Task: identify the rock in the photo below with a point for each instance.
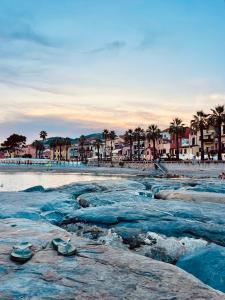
(76, 189)
(170, 218)
(208, 264)
(111, 197)
(113, 212)
(37, 188)
(97, 272)
(133, 241)
(52, 207)
(191, 196)
(168, 249)
(83, 202)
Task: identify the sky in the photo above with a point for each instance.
(75, 67)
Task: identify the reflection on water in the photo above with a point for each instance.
(20, 181)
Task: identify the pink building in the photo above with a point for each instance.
(30, 150)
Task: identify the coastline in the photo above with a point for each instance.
(121, 172)
(177, 171)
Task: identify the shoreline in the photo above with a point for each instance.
(114, 171)
(98, 171)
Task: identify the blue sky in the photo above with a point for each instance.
(77, 66)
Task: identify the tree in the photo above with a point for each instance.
(177, 128)
(139, 135)
(105, 136)
(97, 144)
(153, 133)
(216, 119)
(199, 123)
(60, 142)
(14, 142)
(53, 145)
(112, 136)
(43, 135)
(129, 138)
(82, 140)
(39, 147)
(67, 144)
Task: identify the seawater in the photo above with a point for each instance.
(17, 181)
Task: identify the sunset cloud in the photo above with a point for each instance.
(77, 66)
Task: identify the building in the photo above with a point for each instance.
(183, 144)
(209, 138)
(30, 151)
(164, 144)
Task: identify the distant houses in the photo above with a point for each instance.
(189, 144)
(204, 139)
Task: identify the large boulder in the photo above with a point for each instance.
(208, 264)
(97, 272)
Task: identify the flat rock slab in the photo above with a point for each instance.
(191, 196)
(97, 272)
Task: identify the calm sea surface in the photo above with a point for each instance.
(22, 180)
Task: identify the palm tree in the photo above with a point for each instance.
(60, 144)
(82, 140)
(35, 144)
(129, 138)
(38, 145)
(177, 128)
(112, 136)
(43, 135)
(53, 144)
(153, 133)
(199, 123)
(216, 119)
(139, 135)
(67, 144)
(97, 145)
(105, 136)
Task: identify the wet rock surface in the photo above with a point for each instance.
(113, 220)
(96, 272)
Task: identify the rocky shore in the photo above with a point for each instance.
(96, 272)
(129, 244)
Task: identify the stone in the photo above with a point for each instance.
(37, 188)
(96, 272)
(208, 264)
(191, 196)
